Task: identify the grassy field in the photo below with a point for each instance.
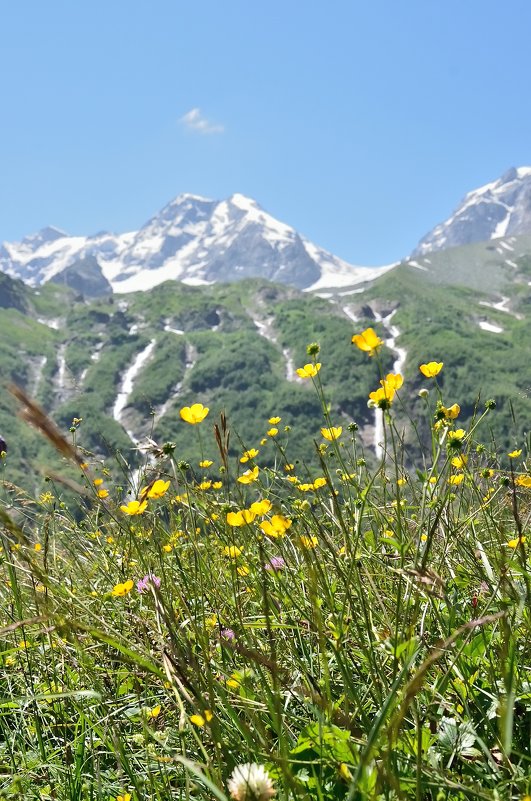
(351, 633)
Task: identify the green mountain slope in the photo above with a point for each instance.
(127, 365)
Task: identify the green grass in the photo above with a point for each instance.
(378, 648)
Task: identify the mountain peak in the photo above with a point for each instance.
(47, 234)
(243, 202)
(496, 209)
(192, 239)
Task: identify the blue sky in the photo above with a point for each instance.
(362, 124)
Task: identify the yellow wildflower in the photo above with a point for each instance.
(514, 454)
(392, 380)
(154, 712)
(98, 482)
(250, 454)
(237, 519)
(319, 482)
(516, 542)
(309, 370)
(308, 542)
(217, 485)
(122, 589)
(272, 432)
(249, 476)
(157, 489)
(460, 461)
(204, 485)
(458, 434)
(523, 481)
(276, 527)
(334, 432)
(232, 551)
(431, 369)
(457, 479)
(451, 412)
(243, 570)
(274, 420)
(368, 341)
(383, 396)
(103, 493)
(124, 797)
(206, 463)
(261, 507)
(194, 414)
(134, 508)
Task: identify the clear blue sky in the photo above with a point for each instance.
(362, 124)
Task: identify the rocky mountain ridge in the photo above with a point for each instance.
(501, 208)
(193, 240)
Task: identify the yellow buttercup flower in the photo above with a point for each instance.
(261, 507)
(457, 436)
(319, 482)
(158, 489)
(134, 507)
(206, 463)
(451, 412)
(523, 481)
(195, 413)
(276, 527)
(383, 396)
(431, 369)
(274, 420)
(272, 432)
(460, 461)
(250, 454)
(308, 542)
(237, 519)
(232, 551)
(392, 380)
(122, 589)
(368, 341)
(309, 370)
(334, 432)
(516, 542)
(249, 476)
(103, 493)
(457, 479)
(514, 454)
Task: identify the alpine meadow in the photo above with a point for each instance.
(265, 515)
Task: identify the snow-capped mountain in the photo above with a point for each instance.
(500, 208)
(193, 240)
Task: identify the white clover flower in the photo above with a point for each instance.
(250, 782)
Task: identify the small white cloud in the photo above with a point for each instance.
(195, 121)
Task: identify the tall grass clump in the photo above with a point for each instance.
(335, 630)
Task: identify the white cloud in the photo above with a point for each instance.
(195, 121)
